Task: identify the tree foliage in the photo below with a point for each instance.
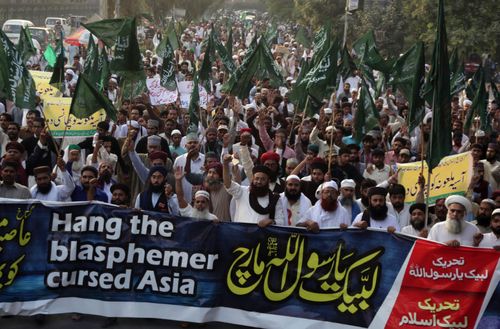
(472, 25)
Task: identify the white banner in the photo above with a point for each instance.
(185, 90)
(158, 94)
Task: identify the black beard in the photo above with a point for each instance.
(496, 230)
(292, 196)
(491, 159)
(483, 220)
(259, 191)
(426, 137)
(418, 225)
(273, 177)
(105, 176)
(45, 189)
(378, 213)
(156, 188)
(120, 203)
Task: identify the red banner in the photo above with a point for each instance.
(443, 287)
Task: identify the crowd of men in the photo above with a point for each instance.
(254, 160)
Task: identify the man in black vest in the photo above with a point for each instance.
(158, 195)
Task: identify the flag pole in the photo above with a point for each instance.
(429, 168)
(331, 136)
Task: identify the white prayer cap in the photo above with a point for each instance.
(480, 133)
(427, 117)
(135, 124)
(495, 212)
(203, 194)
(175, 132)
(70, 71)
(460, 200)
(467, 102)
(490, 201)
(330, 128)
(154, 140)
(331, 184)
(328, 110)
(249, 106)
(289, 79)
(222, 127)
(348, 183)
(291, 177)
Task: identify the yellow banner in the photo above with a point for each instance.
(451, 176)
(42, 80)
(56, 111)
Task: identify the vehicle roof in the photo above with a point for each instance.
(54, 18)
(17, 21)
(40, 28)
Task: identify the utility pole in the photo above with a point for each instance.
(117, 8)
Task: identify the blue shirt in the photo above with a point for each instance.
(79, 194)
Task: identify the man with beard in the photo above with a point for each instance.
(105, 180)
(483, 216)
(201, 200)
(211, 180)
(196, 159)
(293, 201)
(364, 202)
(455, 231)
(378, 170)
(74, 164)
(212, 144)
(377, 214)
(397, 206)
(346, 167)
(347, 200)
(255, 203)
(88, 190)
(492, 239)
(417, 221)
(491, 166)
(327, 212)
(120, 195)
(8, 186)
(271, 160)
(157, 195)
(310, 184)
(46, 190)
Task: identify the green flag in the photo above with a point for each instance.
(321, 44)
(271, 34)
(103, 70)
(57, 78)
(479, 105)
(131, 89)
(167, 77)
(408, 75)
(206, 66)
(194, 104)
(225, 57)
(299, 93)
(92, 56)
(367, 52)
(457, 78)
(302, 37)
(259, 63)
(50, 56)
(106, 30)
(346, 66)
(25, 45)
(366, 117)
(439, 79)
(172, 36)
(15, 81)
(323, 76)
(87, 100)
(127, 60)
(229, 42)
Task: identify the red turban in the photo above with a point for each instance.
(270, 155)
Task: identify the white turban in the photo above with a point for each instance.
(348, 183)
(460, 200)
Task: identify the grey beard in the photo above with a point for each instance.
(195, 213)
(453, 226)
